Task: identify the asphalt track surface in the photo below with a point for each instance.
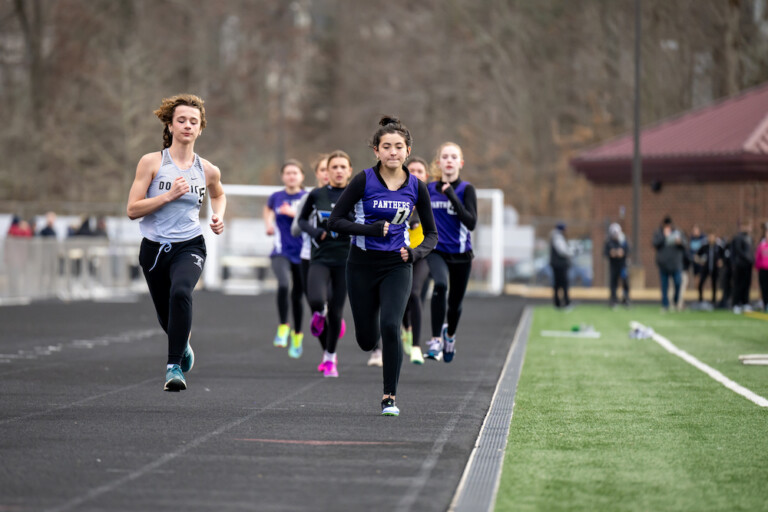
(85, 424)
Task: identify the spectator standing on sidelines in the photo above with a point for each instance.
(50, 221)
(726, 279)
(616, 250)
(698, 239)
(761, 264)
(670, 247)
(742, 259)
(560, 255)
(710, 259)
(20, 228)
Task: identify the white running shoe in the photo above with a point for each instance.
(375, 359)
(435, 350)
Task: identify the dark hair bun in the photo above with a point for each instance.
(385, 120)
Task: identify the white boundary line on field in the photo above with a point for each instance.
(716, 375)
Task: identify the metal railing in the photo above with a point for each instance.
(75, 268)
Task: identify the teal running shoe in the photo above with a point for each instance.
(187, 358)
(388, 407)
(174, 379)
(449, 345)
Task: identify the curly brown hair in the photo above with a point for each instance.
(168, 107)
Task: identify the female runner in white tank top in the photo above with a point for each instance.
(166, 195)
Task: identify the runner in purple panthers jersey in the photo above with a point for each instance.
(380, 263)
(286, 253)
(454, 204)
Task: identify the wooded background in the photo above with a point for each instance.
(521, 85)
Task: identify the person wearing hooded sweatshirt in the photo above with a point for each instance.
(560, 256)
(616, 250)
(670, 247)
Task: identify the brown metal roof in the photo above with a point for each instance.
(727, 137)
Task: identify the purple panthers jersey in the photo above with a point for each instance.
(454, 236)
(285, 244)
(380, 203)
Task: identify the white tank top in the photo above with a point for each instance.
(178, 220)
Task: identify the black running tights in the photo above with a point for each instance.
(450, 279)
(172, 271)
(285, 272)
(318, 294)
(378, 295)
(413, 311)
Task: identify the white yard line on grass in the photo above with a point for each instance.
(719, 377)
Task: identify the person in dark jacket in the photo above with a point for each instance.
(709, 257)
(50, 222)
(560, 260)
(616, 250)
(742, 259)
(726, 276)
(670, 247)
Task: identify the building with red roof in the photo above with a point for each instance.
(708, 166)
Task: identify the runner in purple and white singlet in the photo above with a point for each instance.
(454, 204)
(286, 254)
(380, 263)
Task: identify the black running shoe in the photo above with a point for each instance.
(388, 407)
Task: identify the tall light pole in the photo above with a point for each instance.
(636, 160)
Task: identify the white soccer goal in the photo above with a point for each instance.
(238, 260)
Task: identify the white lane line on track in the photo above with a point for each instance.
(168, 457)
(716, 375)
(79, 343)
(79, 402)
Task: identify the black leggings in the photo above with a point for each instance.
(705, 273)
(762, 277)
(378, 294)
(444, 274)
(616, 274)
(172, 271)
(285, 271)
(412, 317)
(319, 278)
(305, 277)
(560, 282)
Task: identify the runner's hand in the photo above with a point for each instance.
(217, 225)
(179, 188)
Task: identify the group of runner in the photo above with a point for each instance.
(373, 237)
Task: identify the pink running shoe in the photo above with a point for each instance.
(343, 328)
(330, 369)
(318, 324)
(321, 367)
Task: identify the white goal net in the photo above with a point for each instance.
(238, 260)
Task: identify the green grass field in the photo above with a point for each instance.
(621, 424)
